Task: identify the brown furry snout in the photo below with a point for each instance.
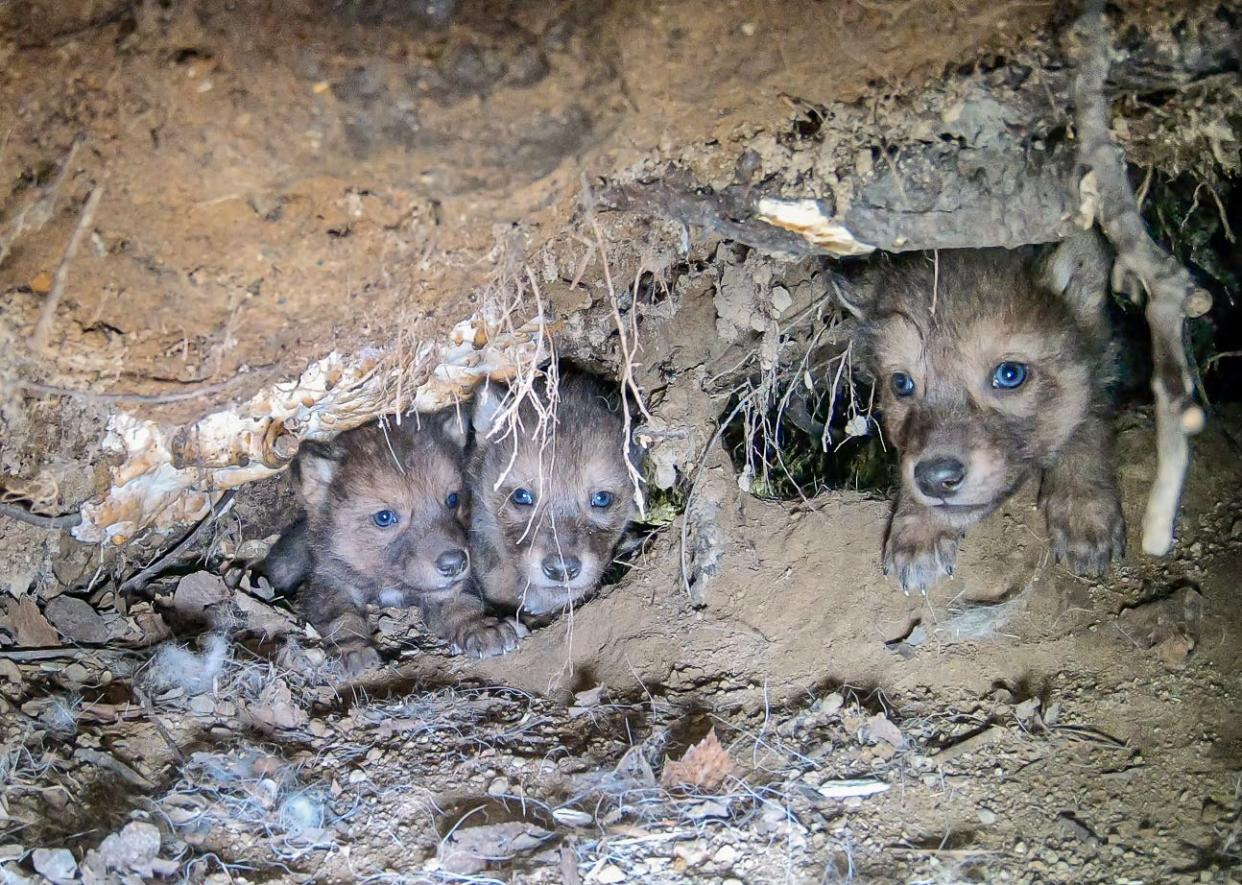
(963, 460)
(566, 549)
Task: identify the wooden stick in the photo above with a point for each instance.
(1141, 267)
(38, 340)
(162, 562)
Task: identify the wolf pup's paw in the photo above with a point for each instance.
(1087, 532)
(488, 637)
(919, 551)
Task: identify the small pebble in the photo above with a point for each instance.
(75, 672)
(498, 787)
(691, 853)
(56, 864)
(610, 875)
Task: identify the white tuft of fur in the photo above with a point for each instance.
(976, 622)
(175, 666)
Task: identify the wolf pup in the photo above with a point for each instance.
(384, 524)
(993, 366)
(552, 494)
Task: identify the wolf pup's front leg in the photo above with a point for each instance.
(462, 620)
(341, 620)
(921, 547)
(1081, 501)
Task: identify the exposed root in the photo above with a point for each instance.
(627, 338)
(47, 315)
(1142, 267)
(38, 212)
(21, 514)
(160, 563)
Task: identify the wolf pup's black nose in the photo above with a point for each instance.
(561, 568)
(939, 477)
(451, 563)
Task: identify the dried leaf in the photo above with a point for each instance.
(77, 619)
(705, 766)
(262, 619)
(31, 627)
(199, 590)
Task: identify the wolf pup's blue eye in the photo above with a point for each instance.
(1009, 376)
(452, 501)
(903, 384)
(522, 497)
(385, 519)
(601, 499)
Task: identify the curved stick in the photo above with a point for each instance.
(1141, 267)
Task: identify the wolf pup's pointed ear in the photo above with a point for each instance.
(854, 296)
(313, 470)
(1077, 269)
(454, 424)
(489, 398)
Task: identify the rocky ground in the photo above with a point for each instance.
(809, 724)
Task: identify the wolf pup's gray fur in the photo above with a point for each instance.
(549, 503)
(993, 366)
(384, 524)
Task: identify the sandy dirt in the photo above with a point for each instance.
(282, 180)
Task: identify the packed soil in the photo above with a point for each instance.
(281, 180)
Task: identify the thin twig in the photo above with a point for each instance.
(158, 565)
(629, 347)
(159, 726)
(153, 398)
(76, 651)
(1141, 266)
(38, 340)
(21, 514)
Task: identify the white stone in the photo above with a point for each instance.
(610, 875)
(56, 864)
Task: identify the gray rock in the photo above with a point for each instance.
(56, 864)
(76, 620)
(197, 591)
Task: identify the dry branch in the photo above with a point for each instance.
(38, 340)
(1141, 267)
(171, 557)
(39, 520)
